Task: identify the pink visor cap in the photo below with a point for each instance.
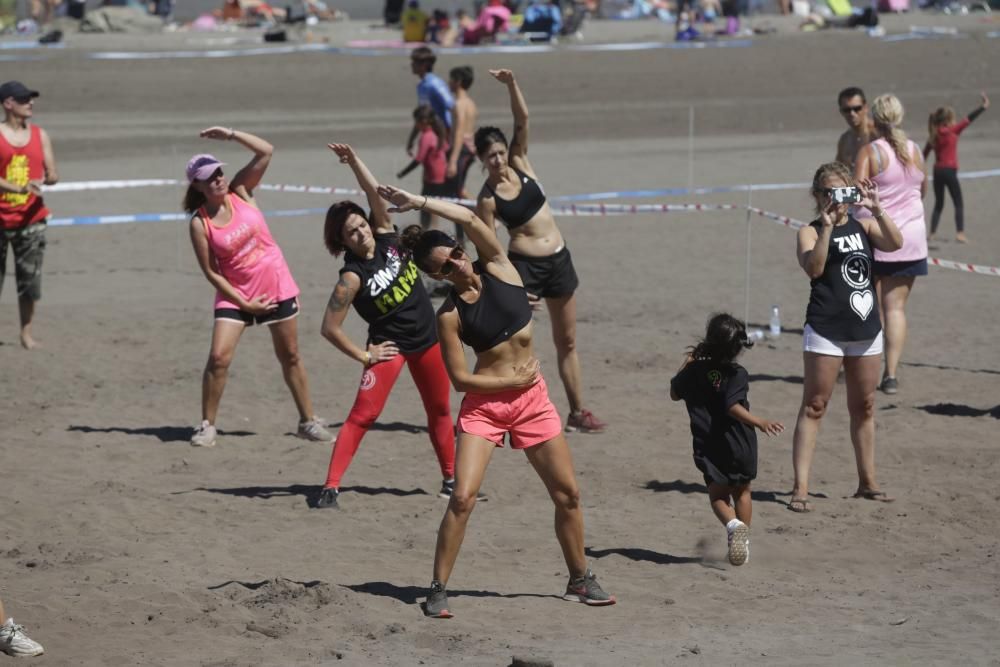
(201, 167)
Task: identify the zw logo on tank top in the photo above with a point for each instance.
(849, 243)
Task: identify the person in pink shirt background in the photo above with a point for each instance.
(896, 165)
(240, 258)
(432, 154)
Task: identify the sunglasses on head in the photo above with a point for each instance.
(449, 263)
(854, 109)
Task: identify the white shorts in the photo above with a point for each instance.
(813, 342)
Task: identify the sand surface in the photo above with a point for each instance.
(122, 545)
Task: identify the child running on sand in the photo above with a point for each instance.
(714, 387)
(943, 141)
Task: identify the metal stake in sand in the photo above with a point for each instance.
(746, 279)
(691, 147)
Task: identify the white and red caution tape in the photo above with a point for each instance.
(597, 209)
(934, 261)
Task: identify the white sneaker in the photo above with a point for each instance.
(739, 543)
(204, 435)
(314, 430)
(14, 642)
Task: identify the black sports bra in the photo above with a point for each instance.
(515, 212)
(501, 311)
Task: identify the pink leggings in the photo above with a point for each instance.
(431, 378)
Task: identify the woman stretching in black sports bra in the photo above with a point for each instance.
(513, 196)
(488, 310)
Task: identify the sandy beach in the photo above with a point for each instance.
(122, 545)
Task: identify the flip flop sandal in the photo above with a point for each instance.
(800, 505)
(880, 496)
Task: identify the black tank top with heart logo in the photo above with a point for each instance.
(843, 306)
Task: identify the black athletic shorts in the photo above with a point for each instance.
(438, 190)
(286, 310)
(547, 277)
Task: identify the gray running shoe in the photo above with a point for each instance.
(436, 605)
(204, 435)
(14, 642)
(314, 430)
(739, 544)
(328, 499)
(890, 385)
(585, 589)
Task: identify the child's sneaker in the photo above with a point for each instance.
(204, 435)
(14, 642)
(584, 422)
(585, 589)
(739, 542)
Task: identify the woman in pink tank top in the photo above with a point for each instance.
(253, 284)
(896, 165)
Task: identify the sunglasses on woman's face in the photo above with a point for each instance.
(449, 262)
(215, 175)
(854, 109)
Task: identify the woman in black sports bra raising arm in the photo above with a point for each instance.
(488, 310)
(512, 195)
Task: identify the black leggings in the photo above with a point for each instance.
(946, 176)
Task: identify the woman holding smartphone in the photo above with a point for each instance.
(842, 322)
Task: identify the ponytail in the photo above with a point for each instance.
(887, 112)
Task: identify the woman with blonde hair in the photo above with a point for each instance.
(842, 323)
(895, 164)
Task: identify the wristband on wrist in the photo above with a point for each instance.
(232, 133)
(368, 358)
(424, 204)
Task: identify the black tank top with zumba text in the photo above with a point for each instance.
(392, 299)
(500, 312)
(842, 304)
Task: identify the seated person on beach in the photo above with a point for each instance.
(839, 14)
(414, 22)
(439, 27)
(542, 17)
(310, 11)
(456, 33)
(493, 20)
(248, 12)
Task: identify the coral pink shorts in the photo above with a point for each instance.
(527, 414)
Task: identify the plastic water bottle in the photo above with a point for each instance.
(774, 325)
